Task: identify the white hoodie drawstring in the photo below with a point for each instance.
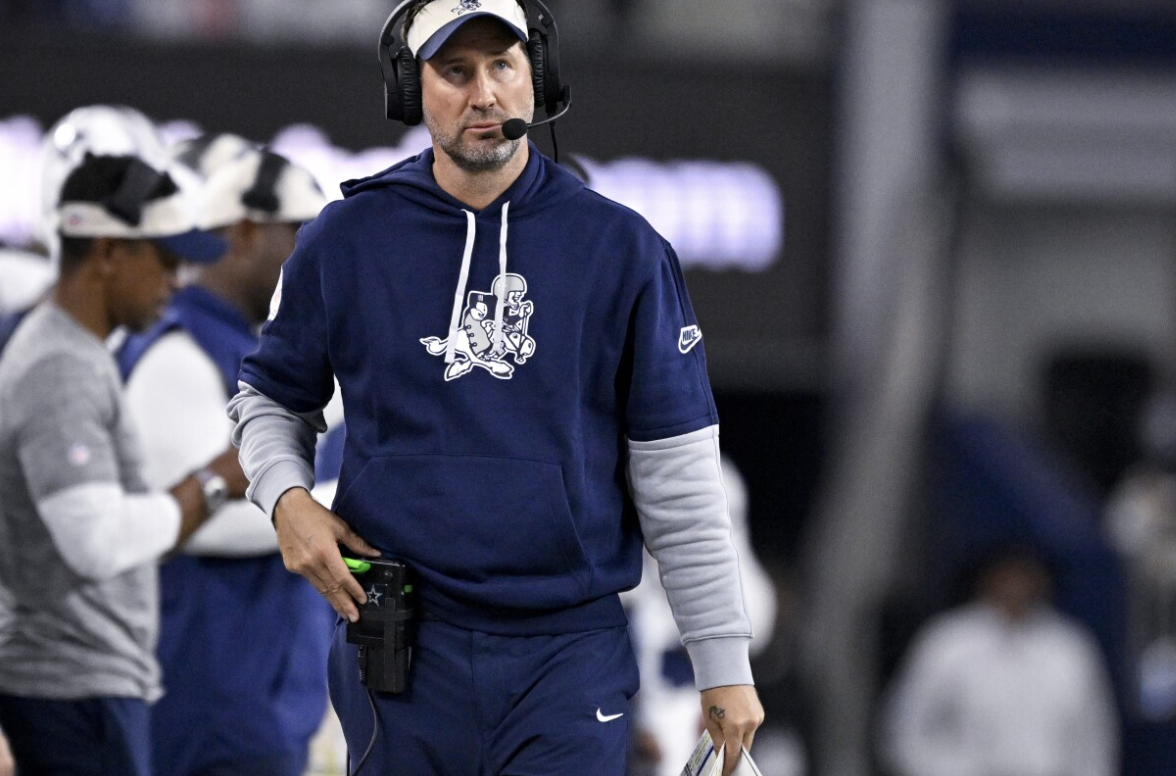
(459, 292)
(498, 309)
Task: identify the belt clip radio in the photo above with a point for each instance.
(384, 631)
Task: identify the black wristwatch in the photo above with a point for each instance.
(214, 487)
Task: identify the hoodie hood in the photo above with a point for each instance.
(541, 185)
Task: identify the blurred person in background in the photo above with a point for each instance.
(1003, 686)
(667, 720)
(513, 454)
(1141, 522)
(80, 533)
(243, 642)
(784, 743)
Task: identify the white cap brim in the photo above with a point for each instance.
(167, 221)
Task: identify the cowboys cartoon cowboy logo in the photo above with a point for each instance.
(478, 342)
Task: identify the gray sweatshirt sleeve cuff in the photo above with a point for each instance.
(276, 480)
(720, 662)
(277, 446)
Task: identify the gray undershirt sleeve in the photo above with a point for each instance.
(277, 445)
(677, 487)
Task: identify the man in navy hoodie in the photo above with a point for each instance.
(527, 402)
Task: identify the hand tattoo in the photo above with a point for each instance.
(717, 713)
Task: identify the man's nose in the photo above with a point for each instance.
(483, 95)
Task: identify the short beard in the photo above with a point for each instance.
(482, 157)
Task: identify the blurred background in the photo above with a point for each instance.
(931, 245)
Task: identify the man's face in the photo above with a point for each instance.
(273, 244)
(479, 79)
(141, 282)
(1016, 585)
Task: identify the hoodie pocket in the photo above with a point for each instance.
(494, 530)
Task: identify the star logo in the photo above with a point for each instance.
(374, 594)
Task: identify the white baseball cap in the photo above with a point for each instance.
(205, 154)
(261, 186)
(103, 130)
(437, 21)
(125, 198)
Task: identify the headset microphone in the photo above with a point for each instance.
(513, 129)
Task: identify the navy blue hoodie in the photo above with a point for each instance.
(488, 408)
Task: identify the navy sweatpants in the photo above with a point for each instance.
(90, 737)
(486, 705)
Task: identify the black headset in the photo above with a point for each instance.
(402, 82)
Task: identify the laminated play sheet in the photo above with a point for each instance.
(707, 761)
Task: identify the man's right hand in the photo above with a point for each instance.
(308, 538)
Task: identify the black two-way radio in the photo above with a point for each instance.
(383, 633)
(384, 629)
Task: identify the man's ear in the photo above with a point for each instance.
(103, 256)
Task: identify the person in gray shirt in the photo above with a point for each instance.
(80, 534)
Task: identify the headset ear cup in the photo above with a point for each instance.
(408, 79)
(537, 51)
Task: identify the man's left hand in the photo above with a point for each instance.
(732, 714)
